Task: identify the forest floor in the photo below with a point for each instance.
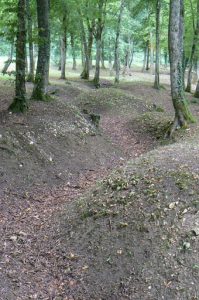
(73, 228)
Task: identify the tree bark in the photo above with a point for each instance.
(117, 62)
(63, 48)
(98, 37)
(30, 76)
(145, 59)
(42, 73)
(103, 56)
(147, 55)
(157, 55)
(86, 68)
(196, 95)
(20, 103)
(72, 40)
(176, 33)
(193, 50)
(98, 58)
(9, 60)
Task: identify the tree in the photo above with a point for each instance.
(42, 73)
(157, 60)
(20, 102)
(30, 76)
(98, 37)
(176, 33)
(64, 45)
(117, 63)
(194, 45)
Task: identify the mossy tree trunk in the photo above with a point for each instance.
(157, 60)
(30, 76)
(176, 33)
(42, 73)
(20, 103)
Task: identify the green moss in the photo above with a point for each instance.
(19, 105)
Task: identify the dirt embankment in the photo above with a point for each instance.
(134, 235)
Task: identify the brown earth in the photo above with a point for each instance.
(52, 248)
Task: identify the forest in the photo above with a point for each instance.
(99, 152)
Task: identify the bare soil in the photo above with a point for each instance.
(132, 235)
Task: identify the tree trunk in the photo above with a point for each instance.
(103, 56)
(30, 76)
(176, 33)
(98, 37)
(148, 55)
(63, 48)
(86, 68)
(157, 54)
(196, 95)
(42, 73)
(165, 59)
(9, 60)
(145, 58)
(117, 62)
(72, 40)
(20, 103)
(98, 56)
(193, 50)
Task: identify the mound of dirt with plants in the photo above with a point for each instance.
(136, 234)
(51, 144)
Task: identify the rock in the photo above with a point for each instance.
(196, 231)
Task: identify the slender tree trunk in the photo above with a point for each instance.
(73, 51)
(63, 56)
(148, 55)
(176, 33)
(9, 60)
(193, 50)
(90, 44)
(157, 59)
(30, 76)
(131, 54)
(145, 58)
(86, 68)
(98, 36)
(117, 62)
(63, 48)
(20, 103)
(196, 95)
(42, 73)
(165, 59)
(103, 56)
(98, 56)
